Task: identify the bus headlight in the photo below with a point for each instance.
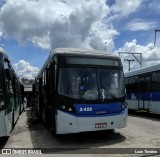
(66, 108)
(70, 109)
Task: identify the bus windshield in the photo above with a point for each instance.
(91, 83)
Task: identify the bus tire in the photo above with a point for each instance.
(46, 116)
(12, 120)
(54, 126)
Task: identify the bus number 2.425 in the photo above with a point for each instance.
(85, 109)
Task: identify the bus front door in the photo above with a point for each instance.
(144, 95)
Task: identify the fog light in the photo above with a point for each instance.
(70, 109)
(63, 107)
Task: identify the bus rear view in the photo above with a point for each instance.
(85, 91)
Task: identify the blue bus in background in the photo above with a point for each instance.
(80, 90)
(143, 89)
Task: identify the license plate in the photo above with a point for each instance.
(100, 125)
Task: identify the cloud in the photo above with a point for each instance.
(125, 7)
(140, 24)
(1, 34)
(25, 70)
(58, 23)
(150, 54)
(154, 6)
(64, 23)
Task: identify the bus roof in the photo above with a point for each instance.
(80, 51)
(76, 51)
(2, 50)
(143, 70)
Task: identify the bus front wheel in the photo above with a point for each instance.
(54, 126)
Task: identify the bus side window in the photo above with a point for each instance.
(155, 81)
(132, 83)
(8, 76)
(52, 75)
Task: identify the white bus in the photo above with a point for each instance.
(143, 89)
(81, 90)
(11, 96)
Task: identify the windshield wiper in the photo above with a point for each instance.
(107, 90)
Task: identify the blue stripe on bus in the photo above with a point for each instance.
(147, 96)
(97, 115)
(90, 109)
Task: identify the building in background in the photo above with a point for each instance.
(27, 91)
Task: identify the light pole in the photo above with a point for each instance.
(134, 54)
(156, 30)
(129, 60)
(105, 46)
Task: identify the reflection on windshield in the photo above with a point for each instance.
(91, 83)
(111, 83)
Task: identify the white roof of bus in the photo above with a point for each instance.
(143, 70)
(75, 51)
(80, 51)
(2, 50)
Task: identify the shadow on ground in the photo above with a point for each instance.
(42, 138)
(3, 141)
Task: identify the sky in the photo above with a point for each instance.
(30, 29)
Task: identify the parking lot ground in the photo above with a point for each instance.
(141, 133)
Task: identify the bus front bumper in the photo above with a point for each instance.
(68, 123)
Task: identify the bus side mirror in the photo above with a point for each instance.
(9, 74)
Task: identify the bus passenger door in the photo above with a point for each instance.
(144, 96)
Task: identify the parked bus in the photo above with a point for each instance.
(81, 90)
(11, 95)
(143, 89)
